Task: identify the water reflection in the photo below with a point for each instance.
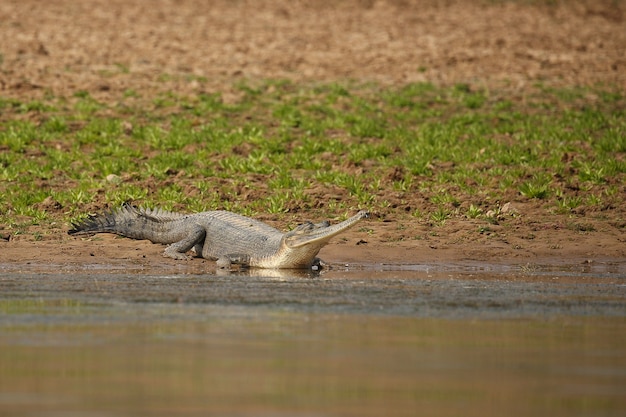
(342, 343)
(280, 274)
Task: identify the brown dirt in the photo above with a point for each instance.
(59, 47)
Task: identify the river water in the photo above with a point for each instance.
(372, 340)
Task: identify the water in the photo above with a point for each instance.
(395, 340)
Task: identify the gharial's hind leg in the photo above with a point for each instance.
(197, 249)
(178, 249)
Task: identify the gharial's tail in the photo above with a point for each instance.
(126, 221)
(109, 221)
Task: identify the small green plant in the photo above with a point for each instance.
(444, 197)
(567, 204)
(367, 230)
(473, 211)
(538, 187)
(591, 172)
(594, 200)
(440, 216)
(277, 203)
(484, 230)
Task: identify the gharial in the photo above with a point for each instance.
(228, 238)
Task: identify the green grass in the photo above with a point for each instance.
(421, 150)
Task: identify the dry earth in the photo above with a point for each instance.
(59, 47)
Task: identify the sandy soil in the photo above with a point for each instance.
(107, 47)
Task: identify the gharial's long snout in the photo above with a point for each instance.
(320, 233)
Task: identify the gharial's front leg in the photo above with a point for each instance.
(195, 236)
(227, 261)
